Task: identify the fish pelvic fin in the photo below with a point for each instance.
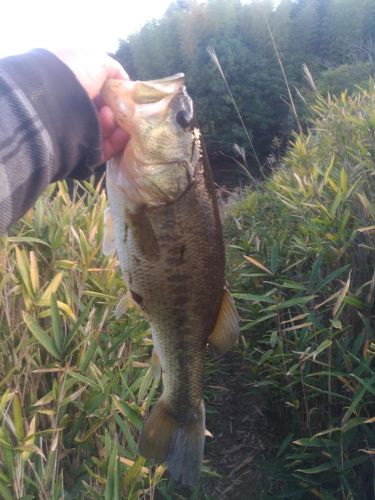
(180, 444)
(155, 365)
(125, 303)
(227, 329)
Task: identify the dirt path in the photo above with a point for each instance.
(235, 417)
(241, 437)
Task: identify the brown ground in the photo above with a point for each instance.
(241, 434)
(241, 440)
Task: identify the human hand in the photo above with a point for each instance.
(92, 70)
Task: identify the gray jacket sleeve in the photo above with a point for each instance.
(48, 130)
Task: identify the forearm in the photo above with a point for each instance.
(48, 130)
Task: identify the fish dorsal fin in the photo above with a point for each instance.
(227, 329)
(126, 302)
(109, 234)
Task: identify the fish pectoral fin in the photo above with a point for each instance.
(155, 365)
(143, 234)
(227, 329)
(126, 302)
(109, 234)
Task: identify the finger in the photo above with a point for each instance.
(98, 102)
(114, 144)
(107, 121)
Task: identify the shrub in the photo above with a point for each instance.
(345, 77)
(73, 387)
(306, 293)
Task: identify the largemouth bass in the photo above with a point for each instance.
(167, 233)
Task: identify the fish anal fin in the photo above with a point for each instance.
(109, 234)
(227, 329)
(157, 433)
(155, 365)
(180, 444)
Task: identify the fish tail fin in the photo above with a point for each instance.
(180, 444)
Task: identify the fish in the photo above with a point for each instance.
(164, 224)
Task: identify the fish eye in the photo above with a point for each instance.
(183, 118)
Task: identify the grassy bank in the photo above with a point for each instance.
(75, 382)
(306, 294)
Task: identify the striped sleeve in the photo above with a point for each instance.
(48, 130)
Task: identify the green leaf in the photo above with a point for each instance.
(72, 397)
(296, 301)
(128, 412)
(318, 469)
(254, 298)
(133, 473)
(336, 323)
(343, 180)
(88, 356)
(354, 422)
(273, 339)
(293, 285)
(125, 429)
(317, 442)
(84, 380)
(52, 287)
(275, 258)
(41, 335)
(349, 464)
(331, 276)
(5, 493)
(57, 330)
(251, 324)
(284, 445)
(78, 323)
(315, 270)
(147, 380)
(18, 417)
(26, 239)
(100, 295)
(112, 487)
(366, 386)
(24, 270)
(322, 347)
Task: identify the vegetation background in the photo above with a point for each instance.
(334, 38)
(75, 382)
